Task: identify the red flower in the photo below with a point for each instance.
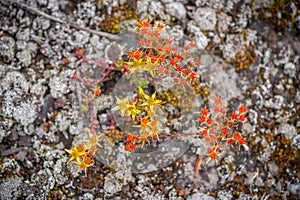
(242, 118)
(173, 62)
(192, 44)
(233, 116)
(153, 59)
(193, 75)
(129, 147)
(186, 48)
(241, 140)
(79, 53)
(186, 71)
(224, 131)
(179, 57)
(218, 101)
(143, 24)
(236, 136)
(161, 70)
(131, 54)
(166, 72)
(74, 76)
(179, 69)
(202, 119)
(141, 42)
(146, 24)
(204, 132)
(209, 121)
(168, 41)
(65, 61)
(131, 138)
(207, 139)
(159, 26)
(242, 109)
(217, 109)
(223, 111)
(182, 81)
(176, 80)
(204, 112)
(213, 153)
(148, 44)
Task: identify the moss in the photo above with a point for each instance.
(245, 58)
(119, 14)
(280, 7)
(200, 90)
(285, 156)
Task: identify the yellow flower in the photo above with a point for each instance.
(85, 163)
(144, 138)
(151, 101)
(151, 111)
(135, 64)
(93, 141)
(155, 129)
(149, 66)
(123, 106)
(144, 124)
(133, 111)
(75, 153)
(141, 91)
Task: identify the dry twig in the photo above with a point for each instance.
(38, 12)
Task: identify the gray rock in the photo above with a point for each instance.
(288, 130)
(290, 69)
(26, 112)
(10, 188)
(14, 81)
(7, 45)
(3, 133)
(58, 87)
(40, 23)
(201, 40)
(24, 58)
(86, 10)
(273, 168)
(113, 52)
(294, 188)
(87, 196)
(205, 18)
(296, 142)
(201, 196)
(224, 195)
(176, 9)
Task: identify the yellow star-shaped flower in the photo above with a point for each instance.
(75, 154)
(151, 101)
(85, 163)
(133, 111)
(149, 66)
(123, 106)
(136, 64)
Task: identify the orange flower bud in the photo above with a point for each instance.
(97, 92)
